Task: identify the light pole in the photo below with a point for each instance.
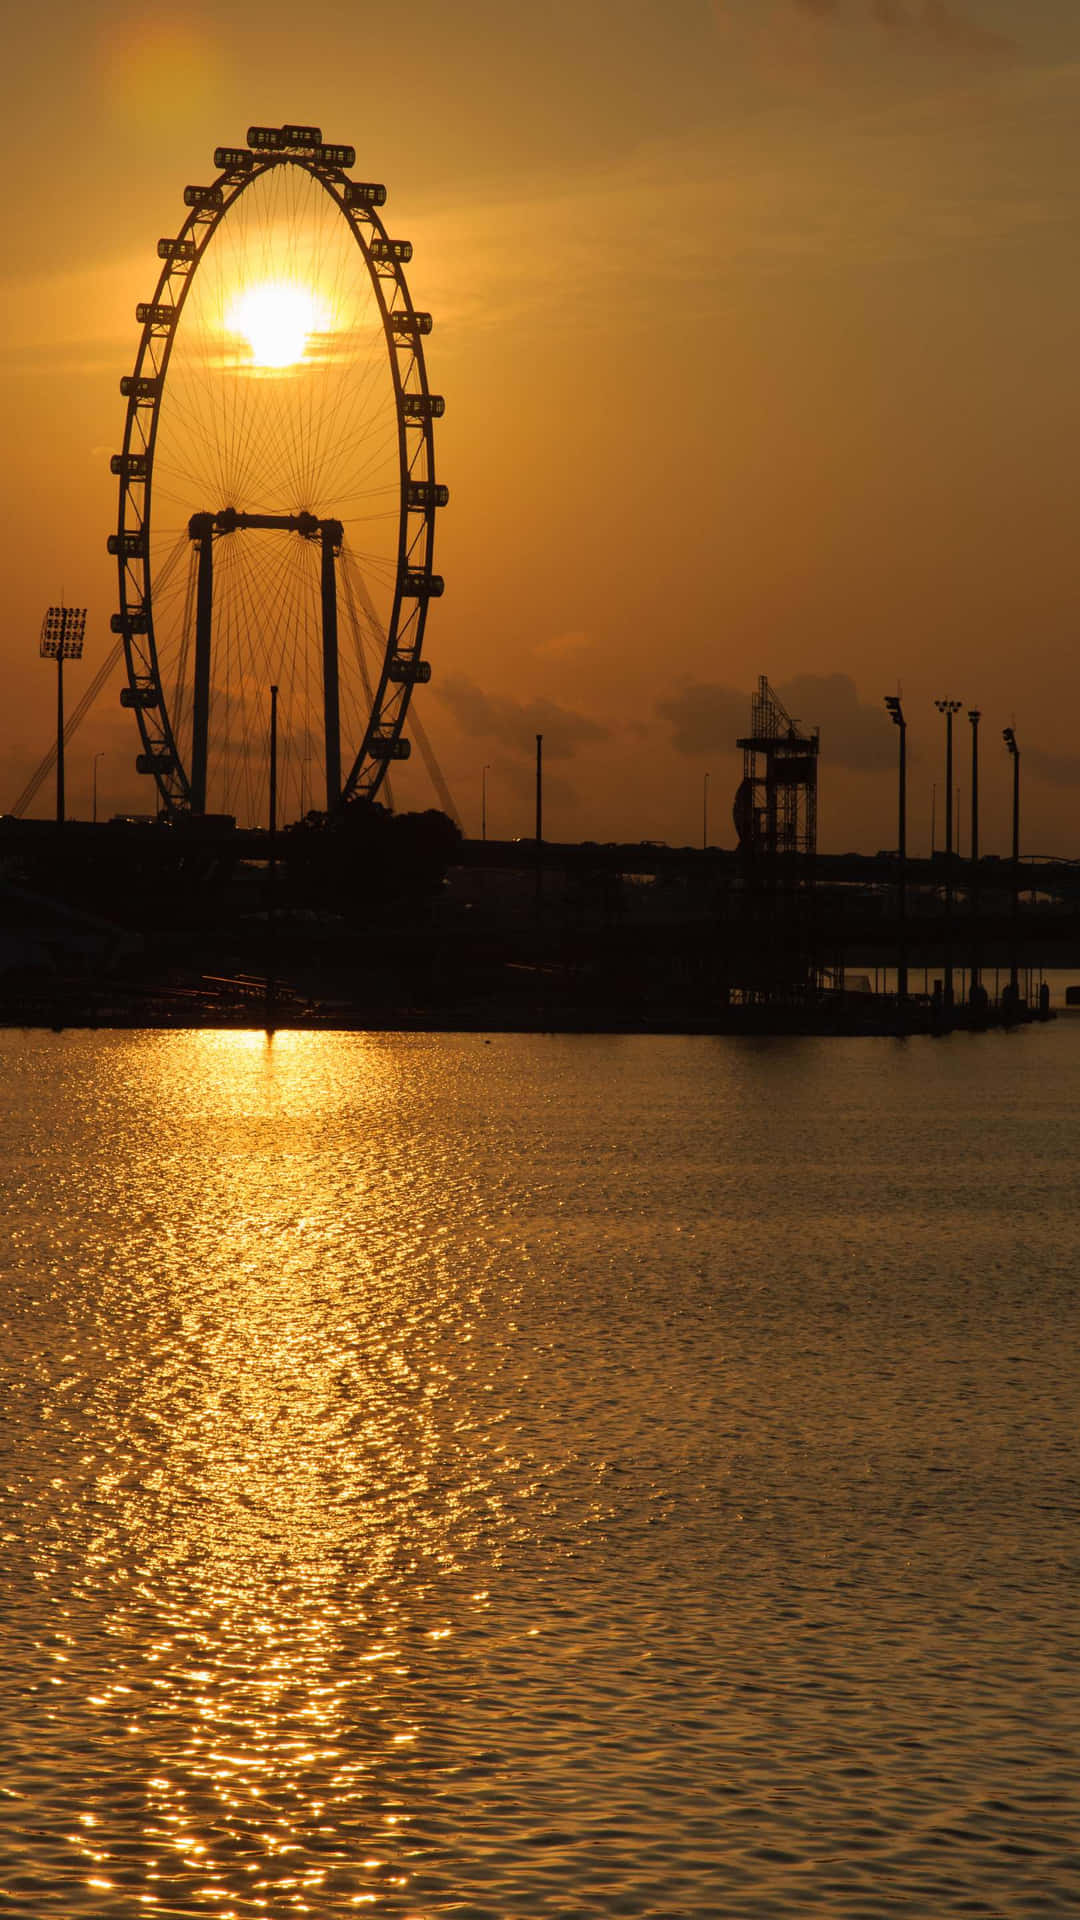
(305, 761)
(483, 800)
(892, 702)
(62, 633)
(539, 821)
(97, 757)
(1009, 738)
(948, 708)
(271, 957)
(705, 813)
(273, 768)
(975, 992)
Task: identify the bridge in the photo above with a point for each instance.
(850, 889)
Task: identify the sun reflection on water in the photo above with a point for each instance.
(276, 1492)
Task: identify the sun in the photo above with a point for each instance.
(277, 319)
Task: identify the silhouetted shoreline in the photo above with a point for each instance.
(287, 1013)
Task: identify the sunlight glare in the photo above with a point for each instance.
(277, 319)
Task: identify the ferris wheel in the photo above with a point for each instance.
(277, 492)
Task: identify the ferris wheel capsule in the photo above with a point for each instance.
(364, 193)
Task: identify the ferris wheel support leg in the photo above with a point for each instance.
(331, 703)
(60, 735)
(200, 710)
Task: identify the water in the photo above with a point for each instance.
(574, 1476)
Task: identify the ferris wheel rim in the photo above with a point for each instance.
(419, 496)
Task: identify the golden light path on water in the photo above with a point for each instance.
(293, 1498)
(442, 1477)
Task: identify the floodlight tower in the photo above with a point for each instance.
(948, 708)
(896, 711)
(974, 716)
(1009, 738)
(62, 633)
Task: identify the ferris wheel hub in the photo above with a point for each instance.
(229, 520)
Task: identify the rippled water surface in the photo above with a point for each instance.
(539, 1476)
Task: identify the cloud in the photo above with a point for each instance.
(562, 644)
(1057, 769)
(707, 718)
(937, 24)
(516, 723)
(926, 23)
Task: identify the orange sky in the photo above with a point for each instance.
(756, 323)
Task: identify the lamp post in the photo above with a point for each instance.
(948, 708)
(271, 956)
(539, 821)
(892, 702)
(62, 633)
(483, 800)
(273, 768)
(975, 990)
(705, 813)
(98, 756)
(1009, 738)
